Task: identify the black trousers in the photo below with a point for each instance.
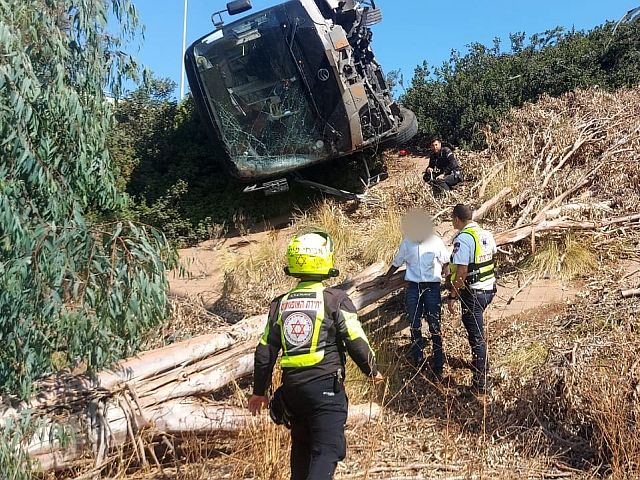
(446, 183)
(474, 303)
(319, 411)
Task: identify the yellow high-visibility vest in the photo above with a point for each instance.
(480, 270)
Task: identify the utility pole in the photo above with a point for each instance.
(184, 49)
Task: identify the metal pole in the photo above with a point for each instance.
(184, 49)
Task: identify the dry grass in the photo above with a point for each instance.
(253, 279)
(566, 258)
(261, 451)
(523, 361)
(383, 237)
(328, 217)
(508, 176)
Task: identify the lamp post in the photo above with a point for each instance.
(184, 48)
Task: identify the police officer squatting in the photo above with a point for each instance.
(444, 171)
(314, 327)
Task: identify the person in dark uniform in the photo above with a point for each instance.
(314, 327)
(473, 283)
(444, 170)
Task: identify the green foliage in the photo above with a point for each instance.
(76, 286)
(473, 91)
(14, 461)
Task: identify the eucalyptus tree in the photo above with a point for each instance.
(77, 286)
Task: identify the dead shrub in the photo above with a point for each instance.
(565, 257)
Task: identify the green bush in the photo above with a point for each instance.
(471, 92)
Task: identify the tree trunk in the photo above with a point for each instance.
(630, 293)
(492, 202)
(183, 417)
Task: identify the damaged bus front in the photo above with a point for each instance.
(295, 85)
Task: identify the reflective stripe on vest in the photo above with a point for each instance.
(300, 319)
(477, 271)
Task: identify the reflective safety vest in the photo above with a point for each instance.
(314, 327)
(483, 267)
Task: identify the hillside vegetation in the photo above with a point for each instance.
(472, 90)
(565, 401)
(92, 197)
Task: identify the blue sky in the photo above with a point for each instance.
(411, 31)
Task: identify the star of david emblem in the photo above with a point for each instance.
(297, 329)
(301, 260)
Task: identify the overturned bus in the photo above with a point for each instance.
(294, 85)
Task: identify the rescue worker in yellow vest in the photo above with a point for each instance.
(313, 326)
(473, 282)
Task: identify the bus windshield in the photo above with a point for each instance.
(257, 95)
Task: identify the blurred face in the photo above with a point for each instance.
(417, 226)
(436, 146)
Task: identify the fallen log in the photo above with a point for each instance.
(172, 360)
(121, 402)
(175, 417)
(575, 207)
(492, 202)
(147, 365)
(520, 233)
(634, 292)
(191, 417)
(560, 198)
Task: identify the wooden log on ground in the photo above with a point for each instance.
(176, 417)
(375, 290)
(136, 370)
(158, 381)
(560, 198)
(372, 271)
(634, 292)
(163, 365)
(480, 213)
(575, 207)
(148, 364)
(520, 233)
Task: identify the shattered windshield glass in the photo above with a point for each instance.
(258, 96)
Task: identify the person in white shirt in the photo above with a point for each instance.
(473, 282)
(426, 257)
